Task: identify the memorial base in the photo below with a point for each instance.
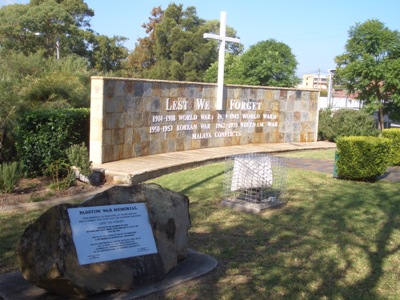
(249, 207)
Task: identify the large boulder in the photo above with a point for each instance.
(48, 258)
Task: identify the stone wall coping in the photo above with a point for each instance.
(205, 83)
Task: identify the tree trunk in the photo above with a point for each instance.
(381, 119)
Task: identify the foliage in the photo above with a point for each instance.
(233, 73)
(10, 174)
(323, 93)
(61, 174)
(31, 82)
(143, 56)
(53, 20)
(267, 63)
(108, 54)
(345, 122)
(44, 136)
(78, 156)
(363, 158)
(175, 48)
(64, 83)
(394, 135)
(7, 150)
(58, 26)
(325, 129)
(370, 67)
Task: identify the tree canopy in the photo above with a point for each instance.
(267, 63)
(174, 48)
(370, 67)
(63, 24)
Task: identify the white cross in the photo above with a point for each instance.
(221, 58)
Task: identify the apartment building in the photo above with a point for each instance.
(316, 81)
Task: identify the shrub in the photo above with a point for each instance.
(345, 122)
(10, 174)
(61, 175)
(325, 130)
(394, 135)
(78, 156)
(363, 158)
(44, 136)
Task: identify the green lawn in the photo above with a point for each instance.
(328, 154)
(333, 239)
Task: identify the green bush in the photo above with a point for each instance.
(345, 122)
(363, 158)
(325, 130)
(394, 135)
(10, 174)
(78, 156)
(44, 136)
(62, 175)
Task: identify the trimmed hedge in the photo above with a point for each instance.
(363, 158)
(394, 135)
(45, 135)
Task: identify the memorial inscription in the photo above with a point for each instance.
(163, 123)
(104, 233)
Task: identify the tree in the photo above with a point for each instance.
(370, 67)
(143, 56)
(233, 73)
(175, 48)
(63, 25)
(267, 63)
(108, 54)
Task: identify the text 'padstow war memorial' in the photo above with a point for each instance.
(134, 117)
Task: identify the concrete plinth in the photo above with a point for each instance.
(254, 208)
(14, 287)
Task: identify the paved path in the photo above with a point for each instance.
(143, 168)
(325, 166)
(140, 169)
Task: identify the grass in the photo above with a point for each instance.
(11, 229)
(333, 239)
(328, 154)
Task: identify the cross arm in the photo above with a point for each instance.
(222, 38)
(212, 36)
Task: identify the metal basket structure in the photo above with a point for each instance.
(254, 177)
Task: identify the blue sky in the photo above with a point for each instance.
(316, 31)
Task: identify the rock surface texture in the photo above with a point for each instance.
(47, 256)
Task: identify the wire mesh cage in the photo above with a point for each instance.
(254, 177)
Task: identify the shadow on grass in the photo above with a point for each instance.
(200, 183)
(333, 240)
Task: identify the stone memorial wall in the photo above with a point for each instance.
(135, 117)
